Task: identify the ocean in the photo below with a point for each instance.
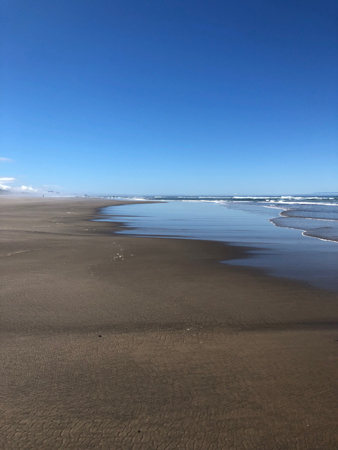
(287, 236)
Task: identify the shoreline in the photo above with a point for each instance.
(240, 251)
(114, 341)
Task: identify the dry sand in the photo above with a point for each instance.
(112, 342)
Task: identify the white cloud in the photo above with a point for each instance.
(4, 185)
(25, 189)
(5, 159)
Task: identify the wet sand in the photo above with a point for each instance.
(117, 342)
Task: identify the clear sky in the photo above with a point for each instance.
(169, 97)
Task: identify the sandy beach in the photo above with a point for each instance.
(117, 342)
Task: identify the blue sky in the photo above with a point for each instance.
(169, 97)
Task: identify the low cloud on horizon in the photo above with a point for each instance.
(6, 182)
(5, 186)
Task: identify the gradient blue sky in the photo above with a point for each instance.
(170, 97)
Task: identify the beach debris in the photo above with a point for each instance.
(119, 255)
(19, 251)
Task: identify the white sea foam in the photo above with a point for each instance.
(304, 232)
(306, 203)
